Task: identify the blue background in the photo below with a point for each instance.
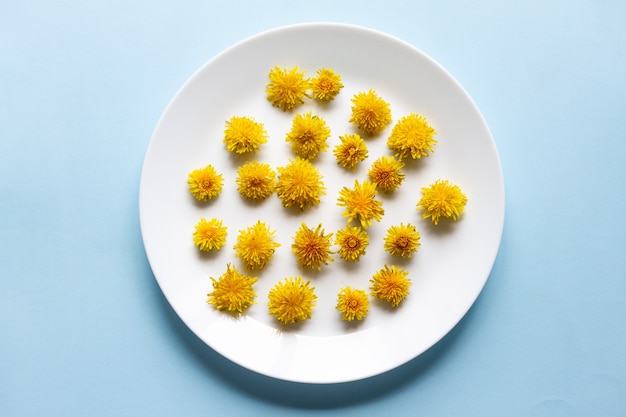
(84, 328)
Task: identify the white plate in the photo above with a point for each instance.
(448, 272)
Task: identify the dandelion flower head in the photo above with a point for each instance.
(360, 203)
(370, 113)
(442, 199)
(352, 304)
(352, 243)
(287, 87)
(308, 135)
(312, 247)
(390, 285)
(233, 291)
(244, 135)
(326, 85)
(292, 300)
(205, 183)
(256, 245)
(350, 151)
(386, 172)
(402, 240)
(412, 137)
(299, 184)
(255, 180)
(209, 234)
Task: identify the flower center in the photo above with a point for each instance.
(326, 86)
(402, 242)
(352, 242)
(255, 182)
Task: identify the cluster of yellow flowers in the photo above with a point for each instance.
(288, 88)
(300, 184)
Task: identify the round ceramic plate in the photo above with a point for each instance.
(447, 273)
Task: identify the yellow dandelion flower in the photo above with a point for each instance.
(308, 135)
(412, 137)
(233, 291)
(442, 199)
(352, 304)
(386, 172)
(255, 180)
(360, 203)
(370, 113)
(350, 151)
(292, 300)
(326, 85)
(352, 243)
(255, 245)
(205, 183)
(209, 234)
(312, 247)
(299, 184)
(287, 88)
(390, 285)
(402, 240)
(244, 135)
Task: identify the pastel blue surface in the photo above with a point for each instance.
(84, 328)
